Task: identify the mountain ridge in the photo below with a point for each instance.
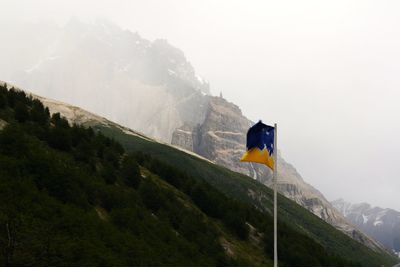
(233, 185)
(151, 87)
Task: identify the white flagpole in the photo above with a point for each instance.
(275, 178)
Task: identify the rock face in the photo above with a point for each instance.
(221, 138)
(379, 223)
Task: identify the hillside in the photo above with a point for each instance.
(149, 86)
(247, 190)
(97, 197)
(72, 197)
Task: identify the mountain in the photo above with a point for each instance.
(379, 223)
(74, 188)
(151, 87)
(132, 75)
(222, 138)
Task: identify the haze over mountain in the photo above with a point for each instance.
(73, 190)
(326, 70)
(326, 77)
(113, 72)
(152, 88)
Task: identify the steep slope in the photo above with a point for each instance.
(295, 222)
(244, 189)
(222, 138)
(152, 88)
(70, 196)
(382, 224)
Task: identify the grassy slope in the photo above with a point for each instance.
(246, 189)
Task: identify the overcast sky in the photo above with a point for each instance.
(328, 72)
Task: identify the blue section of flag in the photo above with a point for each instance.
(262, 136)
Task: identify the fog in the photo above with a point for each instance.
(326, 72)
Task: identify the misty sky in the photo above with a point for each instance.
(326, 71)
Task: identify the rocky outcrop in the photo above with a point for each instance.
(185, 137)
(221, 138)
(382, 224)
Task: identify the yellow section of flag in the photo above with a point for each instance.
(259, 156)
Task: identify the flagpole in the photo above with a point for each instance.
(275, 178)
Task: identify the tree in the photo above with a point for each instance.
(38, 113)
(151, 195)
(59, 138)
(21, 112)
(59, 121)
(130, 172)
(3, 101)
(108, 174)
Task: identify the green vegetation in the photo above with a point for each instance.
(70, 196)
(296, 249)
(246, 190)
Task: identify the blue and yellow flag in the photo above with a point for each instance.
(260, 145)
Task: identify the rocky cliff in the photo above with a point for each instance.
(221, 138)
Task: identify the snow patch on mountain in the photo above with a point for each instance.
(365, 218)
(379, 223)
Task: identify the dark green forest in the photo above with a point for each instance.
(70, 196)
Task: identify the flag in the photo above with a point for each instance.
(260, 145)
